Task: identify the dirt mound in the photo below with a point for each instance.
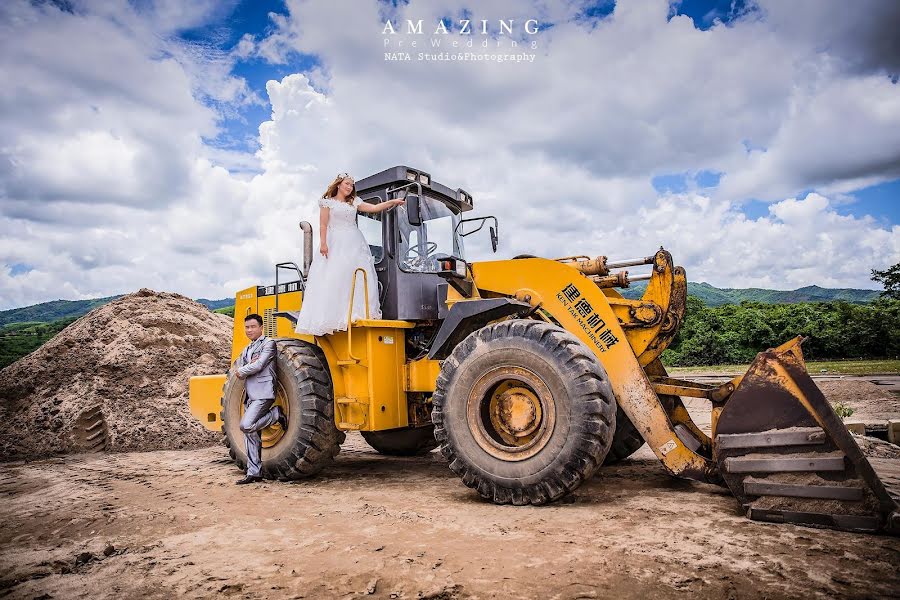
(115, 379)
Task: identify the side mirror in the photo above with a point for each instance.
(494, 239)
(413, 213)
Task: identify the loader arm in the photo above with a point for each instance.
(650, 322)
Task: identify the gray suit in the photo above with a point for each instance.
(257, 364)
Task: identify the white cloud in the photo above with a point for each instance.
(106, 183)
(563, 150)
(800, 242)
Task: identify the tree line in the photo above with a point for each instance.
(735, 333)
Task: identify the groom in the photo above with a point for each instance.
(256, 364)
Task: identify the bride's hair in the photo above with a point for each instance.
(331, 192)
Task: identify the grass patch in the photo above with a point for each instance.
(815, 367)
(842, 410)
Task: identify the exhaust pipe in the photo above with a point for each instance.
(307, 246)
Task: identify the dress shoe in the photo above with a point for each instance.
(248, 479)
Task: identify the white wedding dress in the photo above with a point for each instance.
(326, 298)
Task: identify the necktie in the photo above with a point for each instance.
(250, 350)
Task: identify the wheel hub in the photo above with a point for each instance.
(511, 413)
(516, 411)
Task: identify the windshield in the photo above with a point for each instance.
(370, 226)
(420, 247)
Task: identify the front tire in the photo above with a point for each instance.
(524, 412)
(304, 391)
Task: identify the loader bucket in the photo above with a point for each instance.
(788, 457)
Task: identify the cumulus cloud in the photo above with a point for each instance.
(801, 241)
(563, 150)
(861, 40)
(107, 181)
(104, 181)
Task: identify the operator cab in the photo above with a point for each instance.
(414, 243)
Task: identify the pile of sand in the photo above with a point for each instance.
(115, 379)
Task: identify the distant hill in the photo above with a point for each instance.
(23, 330)
(47, 312)
(226, 310)
(214, 305)
(713, 296)
(19, 339)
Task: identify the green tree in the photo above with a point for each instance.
(890, 279)
(835, 329)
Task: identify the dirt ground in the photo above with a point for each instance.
(166, 524)
(169, 522)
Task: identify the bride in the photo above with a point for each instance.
(343, 249)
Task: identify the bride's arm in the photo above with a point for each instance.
(380, 207)
(324, 215)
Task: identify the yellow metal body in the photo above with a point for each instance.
(377, 387)
(205, 392)
(369, 370)
(372, 376)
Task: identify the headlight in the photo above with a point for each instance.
(410, 176)
(464, 197)
(423, 179)
(461, 268)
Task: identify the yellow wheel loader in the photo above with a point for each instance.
(530, 374)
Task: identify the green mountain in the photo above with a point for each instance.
(216, 304)
(48, 312)
(713, 296)
(24, 330)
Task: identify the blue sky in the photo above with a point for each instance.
(145, 134)
(252, 17)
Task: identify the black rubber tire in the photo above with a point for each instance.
(584, 416)
(312, 439)
(407, 441)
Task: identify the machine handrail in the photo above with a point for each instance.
(288, 265)
(350, 309)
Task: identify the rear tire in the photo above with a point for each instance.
(402, 442)
(524, 412)
(304, 389)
